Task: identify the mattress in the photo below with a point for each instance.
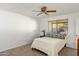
(50, 46)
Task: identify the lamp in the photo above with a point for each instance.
(42, 33)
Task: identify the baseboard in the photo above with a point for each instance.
(16, 46)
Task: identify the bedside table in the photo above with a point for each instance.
(42, 36)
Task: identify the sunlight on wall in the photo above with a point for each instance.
(13, 21)
(26, 25)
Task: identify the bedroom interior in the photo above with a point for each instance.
(39, 29)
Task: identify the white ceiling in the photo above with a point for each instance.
(27, 8)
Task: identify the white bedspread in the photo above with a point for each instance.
(50, 46)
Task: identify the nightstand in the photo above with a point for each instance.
(42, 36)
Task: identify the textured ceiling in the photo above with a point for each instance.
(27, 8)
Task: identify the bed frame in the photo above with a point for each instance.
(44, 52)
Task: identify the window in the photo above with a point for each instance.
(58, 28)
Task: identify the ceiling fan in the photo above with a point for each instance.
(44, 10)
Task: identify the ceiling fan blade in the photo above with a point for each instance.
(46, 13)
(39, 14)
(51, 11)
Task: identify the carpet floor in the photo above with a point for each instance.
(25, 50)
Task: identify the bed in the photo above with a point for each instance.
(50, 46)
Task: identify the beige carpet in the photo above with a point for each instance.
(27, 51)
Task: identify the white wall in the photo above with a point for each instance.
(77, 24)
(16, 30)
(71, 26)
